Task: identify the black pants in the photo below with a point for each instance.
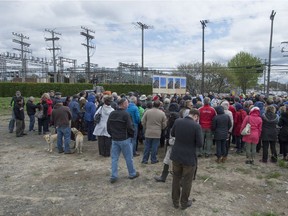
(284, 147)
(184, 174)
(272, 148)
(104, 145)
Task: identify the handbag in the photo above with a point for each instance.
(97, 117)
(39, 112)
(247, 129)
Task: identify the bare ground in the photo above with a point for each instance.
(36, 182)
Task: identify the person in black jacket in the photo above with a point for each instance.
(12, 105)
(19, 116)
(31, 110)
(121, 129)
(269, 134)
(283, 134)
(221, 124)
(188, 136)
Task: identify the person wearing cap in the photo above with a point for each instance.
(31, 110)
(12, 105)
(142, 100)
(61, 117)
(121, 129)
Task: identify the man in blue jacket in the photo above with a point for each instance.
(135, 115)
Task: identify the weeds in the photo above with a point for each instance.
(274, 175)
(264, 214)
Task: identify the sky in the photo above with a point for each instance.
(174, 36)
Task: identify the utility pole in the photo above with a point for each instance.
(88, 46)
(264, 91)
(143, 26)
(53, 39)
(23, 49)
(270, 51)
(203, 23)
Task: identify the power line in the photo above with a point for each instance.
(88, 37)
(53, 39)
(24, 49)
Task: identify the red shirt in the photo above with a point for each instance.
(207, 113)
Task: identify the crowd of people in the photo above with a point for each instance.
(187, 126)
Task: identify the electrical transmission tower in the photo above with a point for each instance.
(53, 39)
(24, 49)
(143, 26)
(88, 46)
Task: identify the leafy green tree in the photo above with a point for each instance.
(246, 69)
(216, 78)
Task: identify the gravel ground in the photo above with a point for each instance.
(36, 182)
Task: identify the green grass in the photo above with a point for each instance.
(264, 214)
(274, 175)
(5, 108)
(282, 163)
(4, 105)
(243, 170)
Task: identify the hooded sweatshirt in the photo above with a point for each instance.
(256, 126)
(269, 131)
(220, 124)
(90, 108)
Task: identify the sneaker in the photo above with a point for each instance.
(144, 162)
(136, 176)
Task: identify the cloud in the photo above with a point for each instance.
(176, 36)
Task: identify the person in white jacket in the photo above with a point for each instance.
(100, 130)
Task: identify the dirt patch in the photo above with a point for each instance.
(36, 182)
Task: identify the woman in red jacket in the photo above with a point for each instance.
(239, 117)
(252, 139)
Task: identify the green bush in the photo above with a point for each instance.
(37, 89)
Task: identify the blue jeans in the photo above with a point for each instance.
(151, 145)
(66, 133)
(90, 130)
(134, 139)
(126, 147)
(220, 148)
(31, 122)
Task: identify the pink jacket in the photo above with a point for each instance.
(256, 126)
